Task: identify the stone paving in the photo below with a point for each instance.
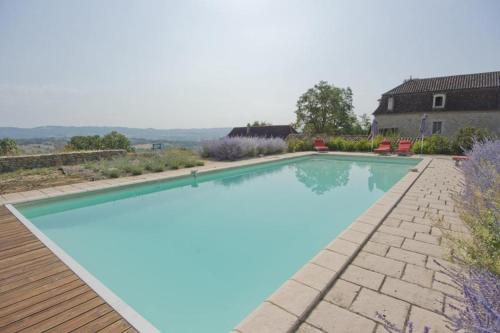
(395, 272)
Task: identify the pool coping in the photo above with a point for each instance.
(372, 217)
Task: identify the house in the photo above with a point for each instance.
(272, 131)
(450, 102)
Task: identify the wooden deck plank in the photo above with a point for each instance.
(64, 316)
(83, 319)
(38, 292)
(7, 262)
(47, 299)
(20, 240)
(26, 266)
(100, 323)
(19, 281)
(22, 248)
(39, 317)
(117, 327)
(39, 307)
(37, 287)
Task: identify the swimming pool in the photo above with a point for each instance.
(198, 254)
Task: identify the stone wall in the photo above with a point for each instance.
(408, 124)
(12, 163)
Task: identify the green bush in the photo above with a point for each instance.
(113, 140)
(8, 146)
(419, 148)
(438, 144)
(464, 139)
(91, 142)
(296, 144)
(336, 144)
(363, 145)
(349, 145)
(435, 144)
(111, 173)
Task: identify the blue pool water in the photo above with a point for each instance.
(199, 254)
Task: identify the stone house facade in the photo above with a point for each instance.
(451, 103)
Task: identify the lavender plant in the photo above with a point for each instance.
(480, 206)
(235, 148)
(480, 295)
(392, 328)
(479, 310)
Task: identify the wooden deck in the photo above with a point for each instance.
(39, 293)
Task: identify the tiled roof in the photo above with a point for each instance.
(273, 131)
(455, 82)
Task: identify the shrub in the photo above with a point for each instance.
(239, 147)
(480, 206)
(363, 145)
(480, 291)
(296, 144)
(336, 144)
(435, 144)
(113, 140)
(111, 173)
(421, 148)
(8, 146)
(349, 145)
(465, 138)
(478, 310)
(438, 144)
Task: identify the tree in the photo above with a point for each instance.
(326, 109)
(365, 123)
(115, 140)
(8, 146)
(91, 142)
(259, 124)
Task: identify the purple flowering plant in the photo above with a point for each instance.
(479, 205)
(235, 148)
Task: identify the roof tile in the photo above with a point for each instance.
(455, 82)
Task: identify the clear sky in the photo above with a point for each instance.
(186, 64)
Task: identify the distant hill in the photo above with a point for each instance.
(60, 132)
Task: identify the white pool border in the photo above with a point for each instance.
(290, 319)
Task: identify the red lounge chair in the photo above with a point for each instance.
(384, 147)
(319, 145)
(404, 147)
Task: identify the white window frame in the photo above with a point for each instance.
(434, 97)
(390, 103)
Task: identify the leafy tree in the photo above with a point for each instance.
(365, 123)
(465, 138)
(115, 140)
(361, 126)
(91, 142)
(326, 109)
(8, 146)
(259, 124)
